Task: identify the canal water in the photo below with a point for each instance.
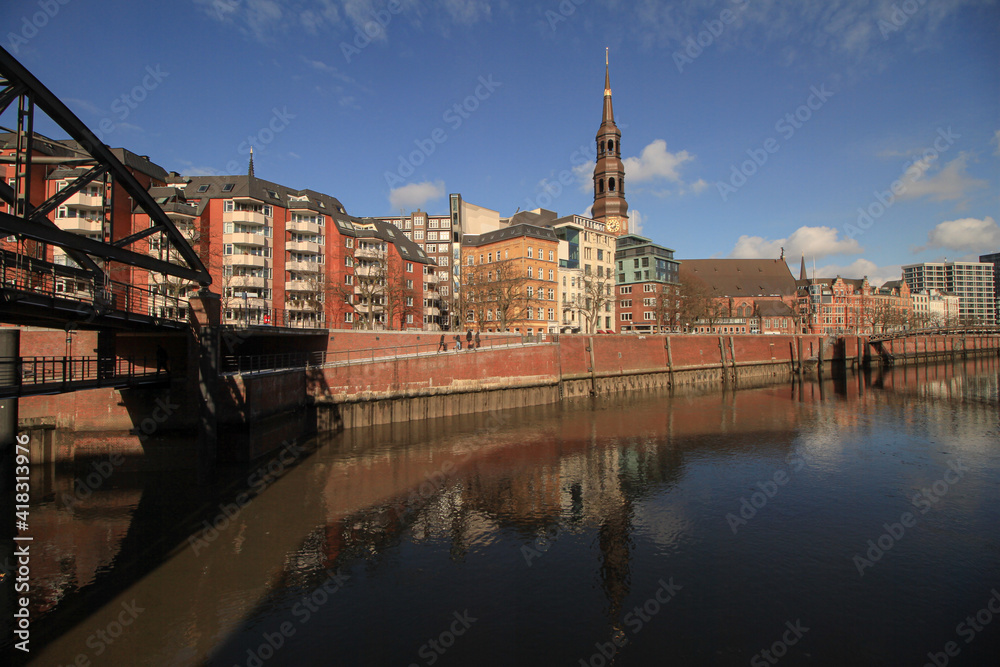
(854, 522)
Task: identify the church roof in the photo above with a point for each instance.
(741, 277)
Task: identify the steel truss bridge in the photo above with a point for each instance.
(35, 291)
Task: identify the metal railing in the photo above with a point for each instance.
(35, 276)
(35, 375)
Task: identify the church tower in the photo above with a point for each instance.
(610, 206)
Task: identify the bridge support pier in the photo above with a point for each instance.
(206, 318)
(10, 344)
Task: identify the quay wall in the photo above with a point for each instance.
(159, 428)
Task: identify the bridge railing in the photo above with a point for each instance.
(27, 274)
(63, 373)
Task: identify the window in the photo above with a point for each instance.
(648, 287)
(552, 314)
(348, 317)
(471, 260)
(409, 267)
(531, 252)
(648, 316)
(541, 253)
(348, 279)
(228, 187)
(552, 274)
(481, 258)
(227, 205)
(531, 272)
(229, 249)
(490, 257)
(348, 261)
(409, 318)
(626, 303)
(409, 301)
(552, 295)
(531, 292)
(550, 255)
(349, 242)
(409, 284)
(419, 235)
(626, 290)
(626, 317)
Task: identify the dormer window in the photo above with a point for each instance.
(228, 187)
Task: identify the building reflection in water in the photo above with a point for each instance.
(583, 467)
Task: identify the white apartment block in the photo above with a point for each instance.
(971, 282)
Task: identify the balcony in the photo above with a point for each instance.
(239, 282)
(304, 246)
(244, 217)
(307, 227)
(244, 239)
(303, 305)
(258, 261)
(81, 200)
(237, 303)
(369, 253)
(304, 267)
(79, 225)
(301, 286)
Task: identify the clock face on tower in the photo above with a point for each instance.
(613, 223)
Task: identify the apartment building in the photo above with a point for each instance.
(509, 280)
(971, 282)
(647, 287)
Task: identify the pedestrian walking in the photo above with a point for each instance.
(442, 347)
(468, 338)
(162, 360)
(458, 342)
(477, 339)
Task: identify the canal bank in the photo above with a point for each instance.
(158, 429)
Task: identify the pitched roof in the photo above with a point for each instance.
(741, 277)
(243, 185)
(512, 232)
(773, 308)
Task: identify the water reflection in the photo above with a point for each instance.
(550, 526)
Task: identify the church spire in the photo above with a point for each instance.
(609, 112)
(610, 206)
(250, 168)
(802, 269)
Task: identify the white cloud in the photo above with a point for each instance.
(655, 161)
(967, 234)
(859, 268)
(996, 142)
(467, 12)
(813, 242)
(949, 183)
(256, 18)
(416, 195)
(857, 31)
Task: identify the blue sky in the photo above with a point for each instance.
(863, 134)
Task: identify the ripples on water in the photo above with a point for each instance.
(693, 529)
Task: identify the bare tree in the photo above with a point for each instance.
(507, 291)
(697, 303)
(598, 292)
(667, 306)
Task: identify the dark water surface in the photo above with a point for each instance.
(850, 523)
